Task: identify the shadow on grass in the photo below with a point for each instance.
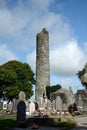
(51, 122)
(6, 123)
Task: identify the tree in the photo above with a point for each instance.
(82, 75)
(50, 89)
(16, 76)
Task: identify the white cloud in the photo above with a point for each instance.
(42, 5)
(73, 82)
(65, 60)
(20, 24)
(85, 48)
(68, 59)
(31, 59)
(6, 54)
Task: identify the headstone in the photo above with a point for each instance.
(32, 108)
(80, 102)
(4, 105)
(53, 104)
(15, 102)
(58, 103)
(62, 97)
(22, 96)
(1, 105)
(27, 108)
(9, 106)
(21, 112)
(81, 98)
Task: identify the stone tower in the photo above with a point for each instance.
(42, 65)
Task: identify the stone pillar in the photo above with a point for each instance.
(42, 64)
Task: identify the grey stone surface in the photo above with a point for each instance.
(1, 105)
(58, 103)
(81, 98)
(62, 98)
(21, 111)
(15, 102)
(32, 108)
(10, 106)
(22, 96)
(42, 64)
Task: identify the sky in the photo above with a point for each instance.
(66, 22)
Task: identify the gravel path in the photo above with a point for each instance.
(81, 123)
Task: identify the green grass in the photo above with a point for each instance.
(66, 124)
(7, 122)
(10, 122)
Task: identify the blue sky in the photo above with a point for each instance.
(66, 21)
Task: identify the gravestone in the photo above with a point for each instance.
(1, 105)
(32, 108)
(9, 106)
(36, 106)
(27, 108)
(15, 102)
(53, 104)
(21, 112)
(80, 102)
(22, 96)
(81, 98)
(62, 98)
(58, 103)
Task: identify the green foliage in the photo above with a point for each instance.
(50, 89)
(16, 76)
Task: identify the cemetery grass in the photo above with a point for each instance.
(68, 125)
(7, 122)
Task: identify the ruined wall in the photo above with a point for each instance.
(62, 98)
(81, 98)
(42, 64)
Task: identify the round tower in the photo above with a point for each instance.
(42, 65)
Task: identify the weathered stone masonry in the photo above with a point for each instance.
(42, 64)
